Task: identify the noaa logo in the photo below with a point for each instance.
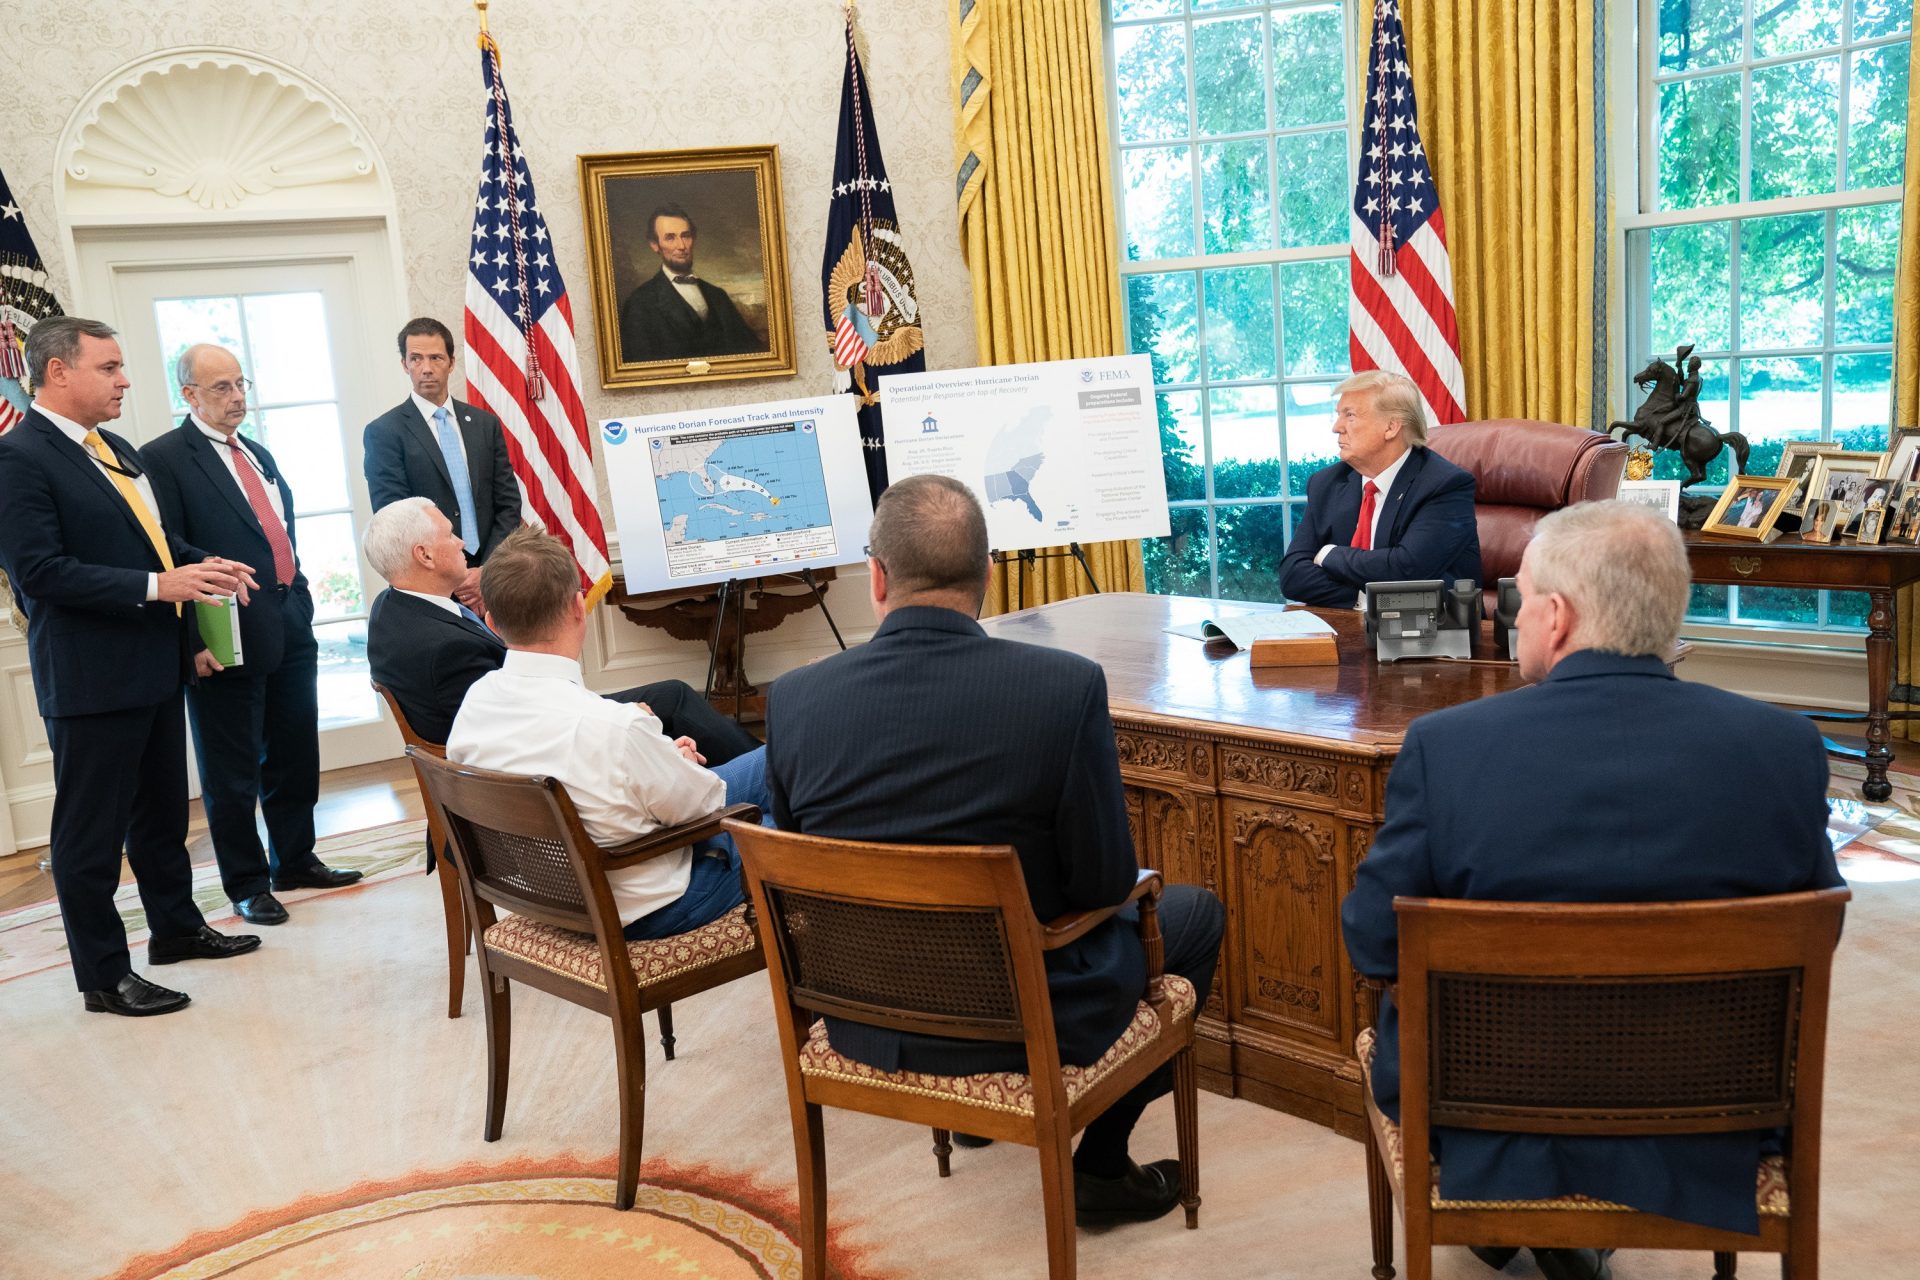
(615, 432)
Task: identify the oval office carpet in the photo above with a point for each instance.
(315, 1114)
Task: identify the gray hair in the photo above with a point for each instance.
(395, 530)
(1395, 395)
(929, 534)
(188, 364)
(58, 338)
(1623, 568)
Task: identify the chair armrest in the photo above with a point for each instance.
(1075, 925)
(667, 839)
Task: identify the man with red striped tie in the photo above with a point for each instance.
(1390, 510)
(256, 724)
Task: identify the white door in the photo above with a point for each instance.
(294, 326)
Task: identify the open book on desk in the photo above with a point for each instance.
(1289, 638)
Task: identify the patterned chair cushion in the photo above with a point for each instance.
(1006, 1091)
(1770, 1180)
(577, 955)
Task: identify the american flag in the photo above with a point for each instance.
(25, 297)
(1400, 313)
(521, 361)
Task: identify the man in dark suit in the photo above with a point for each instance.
(933, 733)
(675, 315)
(1391, 509)
(256, 727)
(1607, 781)
(428, 649)
(102, 583)
(434, 446)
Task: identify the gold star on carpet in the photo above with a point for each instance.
(581, 1233)
(365, 1246)
(324, 1260)
(552, 1228)
(641, 1244)
(514, 1228)
(668, 1254)
(614, 1236)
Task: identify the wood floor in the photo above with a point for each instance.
(350, 800)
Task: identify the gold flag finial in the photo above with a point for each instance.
(481, 5)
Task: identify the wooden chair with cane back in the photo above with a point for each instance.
(457, 941)
(943, 941)
(519, 845)
(1610, 1020)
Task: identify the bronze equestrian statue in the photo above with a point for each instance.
(1670, 417)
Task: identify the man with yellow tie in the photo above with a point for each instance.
(102, 584)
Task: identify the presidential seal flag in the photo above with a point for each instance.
(24, 298)
(1400, 313)
(872, 317)
(521, 361)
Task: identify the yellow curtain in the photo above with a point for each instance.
(1506, 98)
(1037, 218)
(1906, 362)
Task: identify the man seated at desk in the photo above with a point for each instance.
(1391, 509)
(1607, 781)
(626, 778)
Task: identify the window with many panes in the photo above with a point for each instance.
(1231, 131)
(1764, 228)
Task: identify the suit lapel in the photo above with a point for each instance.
(423, 432)
(207, 458)
(1397, 496)
(1348, 498)
(83, 461)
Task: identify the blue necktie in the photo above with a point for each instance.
(472, 617)
(456, 455)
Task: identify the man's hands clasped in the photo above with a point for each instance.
(208, 582)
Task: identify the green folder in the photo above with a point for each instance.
(220, 630)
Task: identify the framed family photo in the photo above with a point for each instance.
(688, 257)
(1662, 495)
(1798, 462)
(1749, 507)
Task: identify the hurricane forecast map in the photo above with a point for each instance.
(741, 496)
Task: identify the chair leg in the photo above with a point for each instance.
(1056, 1193)
(1724, 1265)
(458, 940)
(666, 1030)
(1186, 1112)
(499, 1051)
(1379, 1210)
(633, 1113)
(943, 1151)
(810, 1158)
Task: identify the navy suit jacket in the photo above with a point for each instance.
(79, 561)
(1609, 781)
(428, 657)
(933, 733)
(402, 459)
(200, 498)
(657, 324)
(1427, 531)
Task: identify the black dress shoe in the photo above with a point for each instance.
(1495, 1256)
(134, 997)
(317, 876)
(1574, 1264)
(261, 908)
(1139, 1195)
(973, 1140)
(204, 945)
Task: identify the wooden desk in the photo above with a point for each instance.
(1266, 787)
(1839, 566)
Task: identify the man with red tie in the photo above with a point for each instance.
(1390, 510)
(255, 725)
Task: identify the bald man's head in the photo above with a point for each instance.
(212, 385)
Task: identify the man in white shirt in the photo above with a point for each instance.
(674, 314)
(626, 778)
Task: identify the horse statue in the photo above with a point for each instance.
(1670, 416)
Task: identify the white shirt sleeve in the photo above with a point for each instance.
(656, 780)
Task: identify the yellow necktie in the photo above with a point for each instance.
(130, 492)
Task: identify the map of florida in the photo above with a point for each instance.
(1016, 483)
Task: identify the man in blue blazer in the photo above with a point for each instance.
(102, 583)
(256, 727)
(1607, 781)
(433, 446)
(1391, 509)
(933, 733)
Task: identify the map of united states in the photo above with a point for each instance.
(1015, 457)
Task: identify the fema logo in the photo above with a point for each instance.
(1086, 375)
(615, 432)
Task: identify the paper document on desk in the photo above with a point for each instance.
(1245, 628)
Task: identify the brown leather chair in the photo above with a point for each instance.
(1523, 470)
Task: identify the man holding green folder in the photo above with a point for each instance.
(254, 705)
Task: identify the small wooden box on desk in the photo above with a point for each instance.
(1295, 651)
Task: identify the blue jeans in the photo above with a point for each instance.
(714, 887)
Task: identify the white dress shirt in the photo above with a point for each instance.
(536, 716)
(227, 460)
(448, 603)
(691, 292)
(1384, 484)
(78, 434)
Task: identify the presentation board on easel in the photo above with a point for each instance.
(1062, 452)
(708, 496)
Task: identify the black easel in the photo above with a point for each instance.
(735, 593)
(1027, 558)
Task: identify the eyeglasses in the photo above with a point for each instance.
(225, 389)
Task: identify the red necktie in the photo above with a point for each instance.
(263, 512)
(1363, 531)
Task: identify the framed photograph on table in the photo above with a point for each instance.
(1818, 521)
(1797, 462)
(1749, 507)
(1844, 478)
(688, 256)
(1903, 514)
(1903, 455)
(1662, 495)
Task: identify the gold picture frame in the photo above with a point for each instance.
(707, 299)
(1798, 461)
(1749, 506)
